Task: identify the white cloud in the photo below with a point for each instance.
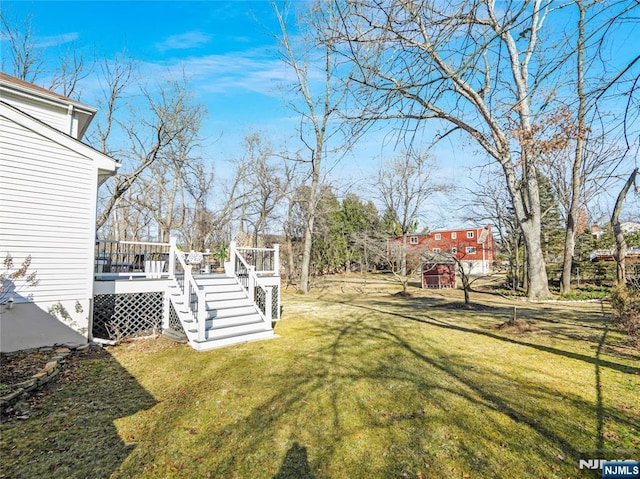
(183, 41)
(57, 40)
(249, 70)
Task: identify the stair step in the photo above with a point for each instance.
(231, 312)
(209, 280)
(211, 293)
(224, 303)
(229, 331)
(223, 342)
(232, 321)
(231, 318)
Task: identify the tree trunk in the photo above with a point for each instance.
(536, 273)
(567, 259)
(621, 244)
(576, 170)
(308, 230)
(403, 256)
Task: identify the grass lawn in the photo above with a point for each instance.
(361, 384)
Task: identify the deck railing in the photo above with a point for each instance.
(265, 261)
(131, 259)
(258, 271)
(193, 297)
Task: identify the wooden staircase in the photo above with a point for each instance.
(230, 316)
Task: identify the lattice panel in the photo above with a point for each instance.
(174, 321)
(275, 303)
(260, 298)
(117, 316)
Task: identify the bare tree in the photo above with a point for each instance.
(198, 213)
(486, 71)
(166, 133)
(26, 60)
(320, 87)
(267, 183)
(402, 260)
(490, 203)
(621, 244)
(404, 186)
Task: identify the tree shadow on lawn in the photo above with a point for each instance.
(368, 401)
(575, 323)
(535, 406)
(71, 432)
(433, 321)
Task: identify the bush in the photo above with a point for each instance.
(625, 302)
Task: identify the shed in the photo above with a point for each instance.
(438, 272)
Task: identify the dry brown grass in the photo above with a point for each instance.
(361, 384)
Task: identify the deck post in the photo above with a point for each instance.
(232, 259)
(252, 284)
(187, 277)
(276, 259)
(173, 242)
(268, 308)
(202, 316)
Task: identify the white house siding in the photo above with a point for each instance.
(56, 116)
(47, 201)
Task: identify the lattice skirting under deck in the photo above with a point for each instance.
(174, 321)
(118, 316)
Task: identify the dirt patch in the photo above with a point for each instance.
(17, 367)
(402, 294)
(468, 306)
(517, 326)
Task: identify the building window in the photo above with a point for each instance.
(413, 240)
(438, 236)
(470, 250)
(454, 235)
(469, 234)
(454, 250)
(436, 250)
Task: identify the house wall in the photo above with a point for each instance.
(444, 242)
(47, 210)
(55, 116)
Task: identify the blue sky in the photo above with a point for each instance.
(229, 54)
(226, 49)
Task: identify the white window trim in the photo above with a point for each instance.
(469, 234)
(438, 236)
(470, 250)
(413, 240)
(454, 250)
(454, 235)
(436, 250)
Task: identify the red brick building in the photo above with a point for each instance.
(473, 247)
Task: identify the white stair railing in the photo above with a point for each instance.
(257, 278)
(193, 297)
